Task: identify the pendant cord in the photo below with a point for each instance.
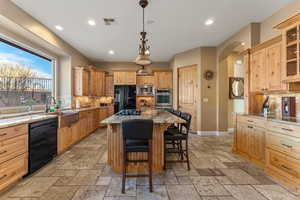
(143, 20)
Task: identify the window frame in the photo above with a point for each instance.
(38, 53)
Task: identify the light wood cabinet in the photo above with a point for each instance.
(64, 138)
(274, 68)
(258, 71)
(81, 82)
(145, 80)
(103, 114)
(242, 138)
(97, 83)
(257, 143)
(124, 78)
(163, 80)
(109, 86)
(13, 154)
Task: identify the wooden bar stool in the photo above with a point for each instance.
(137, 137)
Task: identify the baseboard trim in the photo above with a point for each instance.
(212, 133)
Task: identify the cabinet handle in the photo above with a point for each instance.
(250, 126)
(287, 129)
(3, 152)
(2, 177)
(250, 121)
(288, 146)
(3, 134)
(289, 169)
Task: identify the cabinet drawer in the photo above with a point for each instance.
(286, 129)
(252, 120)
(285, 144)
(284, 165)
(14, 131)
(13, 170)
(13, 147)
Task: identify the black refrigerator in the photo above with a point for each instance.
(125, 97)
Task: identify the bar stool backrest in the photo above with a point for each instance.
(188, 118)
(137, 129)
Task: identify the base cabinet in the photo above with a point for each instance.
(270, 144)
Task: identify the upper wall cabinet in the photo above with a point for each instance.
(266, 72)
(163, 80)
(97, 83)
(125, 78)
(145, 80)
(81, 81)
(291, 43)
(109, 86)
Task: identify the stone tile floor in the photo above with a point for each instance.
(216, 174)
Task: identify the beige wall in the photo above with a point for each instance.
(267, 31)
(17, 25)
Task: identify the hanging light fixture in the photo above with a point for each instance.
(144, 49)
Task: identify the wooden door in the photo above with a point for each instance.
(274, 69)
(187, 92)
(258, 71)
(257, 143)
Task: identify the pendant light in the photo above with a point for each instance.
(144, 49)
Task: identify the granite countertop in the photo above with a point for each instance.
(9, 120)
(162, 117)
(286, 120)
(4, 123)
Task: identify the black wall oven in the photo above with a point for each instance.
(163, 98)
(42, 143)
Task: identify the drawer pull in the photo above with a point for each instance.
(2, 177)
(288, 146)
(250, 121)
(250, 126)
(287, 129)
(3, 152)
(3, 134)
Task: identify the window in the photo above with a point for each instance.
(26, 78)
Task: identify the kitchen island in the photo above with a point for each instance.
(161, 121)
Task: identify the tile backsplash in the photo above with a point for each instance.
(275, 103)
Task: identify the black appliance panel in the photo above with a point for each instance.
(42, 143)
(125, 97)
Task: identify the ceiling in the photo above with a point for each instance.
(178, 24)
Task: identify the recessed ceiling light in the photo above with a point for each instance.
(239, 62)
(243, 43)
(111, 52)
(59, 27)
(92, 22)
(209, 22)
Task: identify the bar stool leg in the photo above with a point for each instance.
(187, 154)
(124, 172)
(150, 166)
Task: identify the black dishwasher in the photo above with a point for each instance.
(42, 143)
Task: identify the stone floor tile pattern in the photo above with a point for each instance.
(81, 173)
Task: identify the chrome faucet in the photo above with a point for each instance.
(49, 103)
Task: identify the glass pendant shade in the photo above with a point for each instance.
(143, 60)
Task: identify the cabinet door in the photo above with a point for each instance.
(257, 143)
(109, 86)
(242, 138)
(85, 83)
(258, 71)
(76, 134)
(163, 80)
(274, 66)
(145, 80)
(130, 78)
(64, 138)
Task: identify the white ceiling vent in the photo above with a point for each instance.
(109, 21)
